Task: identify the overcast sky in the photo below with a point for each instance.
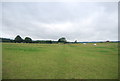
(82, 21)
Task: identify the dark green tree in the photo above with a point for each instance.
(75, 41)
(18, 39)
(28, 40)
(62, 40)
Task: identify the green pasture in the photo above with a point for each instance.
(59, 61)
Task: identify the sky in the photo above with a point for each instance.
(81, 21)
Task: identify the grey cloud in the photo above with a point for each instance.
(75, 21)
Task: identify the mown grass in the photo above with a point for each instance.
(60, 61)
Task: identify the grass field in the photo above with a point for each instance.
(60, 61)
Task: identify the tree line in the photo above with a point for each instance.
(18, 39)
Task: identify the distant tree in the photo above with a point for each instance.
(75, 41)
(18, 39)
(28, 40)
(6, 40)
(62, 40)
(49, 41)
(107, 41)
